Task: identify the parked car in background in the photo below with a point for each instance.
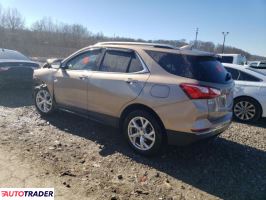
(15, 69)
(257, 64)
(233, 59)
(154, 92)
(249, 93)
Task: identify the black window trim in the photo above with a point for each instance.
(144, 66)
(251, 75)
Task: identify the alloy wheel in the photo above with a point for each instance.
(141, 133)
(44, 101)
(244, 110)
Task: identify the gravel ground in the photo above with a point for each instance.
(92, 161)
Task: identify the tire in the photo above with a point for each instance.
(151, 134)
(48, 105)
(252, 107)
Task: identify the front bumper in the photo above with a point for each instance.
(182, 139)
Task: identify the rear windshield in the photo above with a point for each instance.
(203, 68)
(227, 59)
(12, 55)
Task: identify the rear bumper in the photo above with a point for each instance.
(182, 139)
(7, 81)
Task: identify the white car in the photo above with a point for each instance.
(233, 59)
(249, 92)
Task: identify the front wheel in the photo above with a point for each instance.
(43, 101)
(143, 132)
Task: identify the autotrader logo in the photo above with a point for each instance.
(26, 193)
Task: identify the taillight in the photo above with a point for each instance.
(195, 91)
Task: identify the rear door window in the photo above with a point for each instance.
(135, 64)
(247, 77)
(203, 68)
(120, 61)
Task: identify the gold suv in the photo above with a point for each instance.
(153, 92)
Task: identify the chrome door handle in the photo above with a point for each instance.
(131, 81)
(83, 77)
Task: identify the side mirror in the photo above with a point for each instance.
(52, 63)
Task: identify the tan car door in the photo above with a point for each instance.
(120, 79)
(71, 80)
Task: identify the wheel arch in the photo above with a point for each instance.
(138, 106)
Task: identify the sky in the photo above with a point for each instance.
(245, 20)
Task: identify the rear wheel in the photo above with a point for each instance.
(246, 110)
(44, 101)
(143, 132)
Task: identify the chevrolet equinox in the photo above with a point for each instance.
(155, 93)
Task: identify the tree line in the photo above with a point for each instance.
(48, 38)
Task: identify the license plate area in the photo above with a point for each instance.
(222, 101)
(225, 100)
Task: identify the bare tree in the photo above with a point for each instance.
(1, 16)
(79, 30)
(46, 24)
(47, 37)
(13, 19)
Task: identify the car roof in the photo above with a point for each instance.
(229, 54)
(137, 46)
(12, 55)
(188, 50)
(167, 46)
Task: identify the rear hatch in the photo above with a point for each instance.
(211, 73)
(213, 83)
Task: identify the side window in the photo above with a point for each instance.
(115, 61)
(120, 61)
(235, 73)
(247, 77)
(84, 61)
(135, 65)
(173, 63)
